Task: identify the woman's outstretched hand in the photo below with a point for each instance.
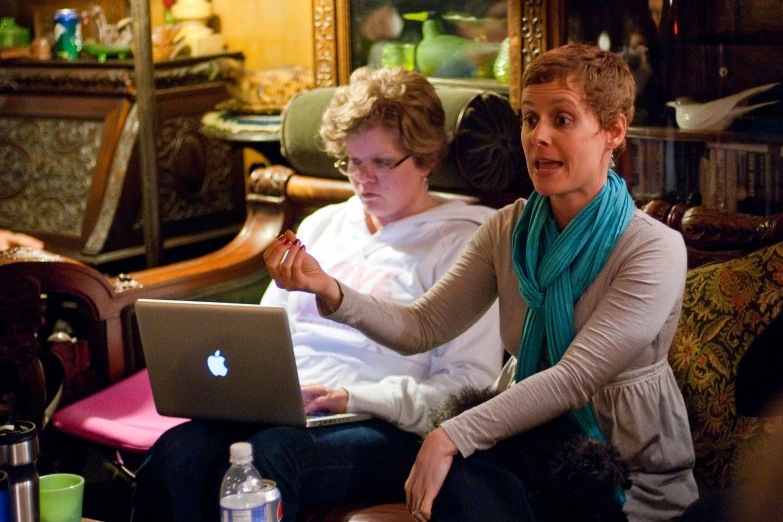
(428, 473)
(293, 268)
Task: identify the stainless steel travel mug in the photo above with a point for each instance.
(18, 456)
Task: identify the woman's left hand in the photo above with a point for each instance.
(319, 398)
(294, 269)
(428, 473)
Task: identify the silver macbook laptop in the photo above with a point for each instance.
(228, 362)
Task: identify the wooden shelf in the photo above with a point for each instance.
(675, 134)
(485, 84)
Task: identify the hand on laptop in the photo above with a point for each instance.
(319, 399)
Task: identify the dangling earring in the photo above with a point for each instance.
(611, 161)
(426, 182)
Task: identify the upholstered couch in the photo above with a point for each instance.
(726, 304)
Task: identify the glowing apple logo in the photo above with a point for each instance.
(217, 364)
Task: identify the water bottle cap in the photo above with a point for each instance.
(241, 452)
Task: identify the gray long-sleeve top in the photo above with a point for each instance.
(624, 323)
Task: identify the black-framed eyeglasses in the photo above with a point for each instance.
(378, 167)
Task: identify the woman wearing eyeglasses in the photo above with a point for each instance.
(393, 240)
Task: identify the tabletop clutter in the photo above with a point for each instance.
(87, 34)
(24, 495)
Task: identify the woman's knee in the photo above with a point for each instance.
(190, 438)
(192, 446)
(280, 449)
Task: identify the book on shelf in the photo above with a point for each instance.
(670, 183)
(761, 194)
(737, 177)
(648, 169)
(734, 176)
(717, 173)
(730, 182)
(768, 188)
(637, 168)
(742, 176)
(753, 172)
(707, 179)
(655, 169)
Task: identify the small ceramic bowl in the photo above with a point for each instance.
(105, 51)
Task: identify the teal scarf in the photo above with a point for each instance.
(555, 268)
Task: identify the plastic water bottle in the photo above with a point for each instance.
(242, 498)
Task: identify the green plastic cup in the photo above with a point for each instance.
(61, 497)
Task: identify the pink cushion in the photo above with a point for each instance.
(122, 416)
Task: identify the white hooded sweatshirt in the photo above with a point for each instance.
(399, 262)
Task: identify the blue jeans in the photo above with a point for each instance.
(180, 478)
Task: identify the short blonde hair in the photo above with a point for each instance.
(402, 102)
(608, 84)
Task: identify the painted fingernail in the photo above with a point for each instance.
(304, 247)
(287, 243)
(280, 237)
(297, 242)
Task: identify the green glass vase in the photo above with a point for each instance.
(502, 62)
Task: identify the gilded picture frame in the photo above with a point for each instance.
(533, 27)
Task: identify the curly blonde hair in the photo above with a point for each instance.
(607, 82)
(402, 102)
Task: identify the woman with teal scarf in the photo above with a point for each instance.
(589, 289)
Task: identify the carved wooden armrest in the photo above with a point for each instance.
(109, 298)
(713, 234)
(266, 218)
(716, 229)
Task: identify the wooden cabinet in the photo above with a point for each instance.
(69, 166)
